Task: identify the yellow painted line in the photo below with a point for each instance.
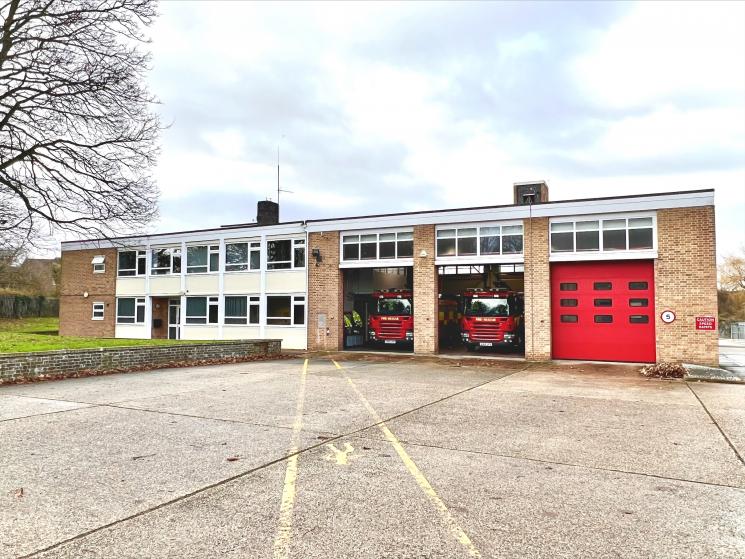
(284, 529)
(414, 470)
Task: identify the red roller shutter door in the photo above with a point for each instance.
(603, 311)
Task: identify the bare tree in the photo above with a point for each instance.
(78, 137)
(732, 272)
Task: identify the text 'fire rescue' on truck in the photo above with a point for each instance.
(492, 318)
(392, 321)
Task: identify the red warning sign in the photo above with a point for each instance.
(706, 323)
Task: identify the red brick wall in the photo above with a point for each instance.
(77, 277)
(325, 287)
(686, 283)
(425, 290)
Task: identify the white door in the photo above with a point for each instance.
(174, 319)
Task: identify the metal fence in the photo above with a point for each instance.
(737, 330)
(23, 306)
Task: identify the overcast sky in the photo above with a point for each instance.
(387, 107)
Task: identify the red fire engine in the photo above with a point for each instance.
(492, 318)
(392, 321)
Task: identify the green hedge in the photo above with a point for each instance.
(23, 306)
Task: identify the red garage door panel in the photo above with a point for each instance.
(603, 311)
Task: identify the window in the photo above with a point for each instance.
(603, 302)
(602, 286)
(374, 246)
(634, 233)
(165, 261)
(638, 285)
(285, 310)
(132, 263)
(99, 264)
(202, 259)
(201, 310)
(568, 302)
(98, 309)
(130, 310)
(567, 287)
(241, 309)
(603, 318)
(240, 257)
(639, 319)
(285, 254)
(480, 241)
(638, 302)
(572, 318)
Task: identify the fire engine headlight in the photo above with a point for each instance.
(409, 335)
(465, 335)
(372, 334)
(509, 336)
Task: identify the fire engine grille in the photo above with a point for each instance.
(487, 332)
(391, 330)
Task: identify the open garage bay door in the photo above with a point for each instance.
(603, 311)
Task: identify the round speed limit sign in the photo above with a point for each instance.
(667, 316)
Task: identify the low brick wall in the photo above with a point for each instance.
(16, 366)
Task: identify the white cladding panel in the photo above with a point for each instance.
(230, 332)
(202, 284)
(130, 286)
(242, 282)
(199, 332)
(292, 281)
(165, 285)
(137, 331)
(292, 337)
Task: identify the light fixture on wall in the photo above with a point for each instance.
(85, 294)
(423, 254)
(316, 253)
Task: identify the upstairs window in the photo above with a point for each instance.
(132, 263)
(378, 246)
(202, 259)
(99, 264)
(240, 257)
(484, 240)
(285, 254)
(165, 261)
(602, 235)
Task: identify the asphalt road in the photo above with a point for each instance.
(384, 459)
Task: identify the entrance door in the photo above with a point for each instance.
(174, 319)
(603, 311)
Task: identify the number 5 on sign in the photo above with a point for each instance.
(667, 316)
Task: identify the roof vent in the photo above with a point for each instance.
(533, 192)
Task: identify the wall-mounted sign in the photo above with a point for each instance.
(706, 323)
(667, 317)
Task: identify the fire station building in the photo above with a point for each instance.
(625, 278)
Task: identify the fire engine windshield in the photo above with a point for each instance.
(487, 307)
(394, 307)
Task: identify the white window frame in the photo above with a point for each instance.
(295, 299)
(210, 301)
(99, 264)
(377, 262)
(175, 251)
(601, 253)
(213, 249)
(100, 307)
(252, 301)
(478, 258)
(139, 303)
(253, 246)
(295, 243)
(140, 254)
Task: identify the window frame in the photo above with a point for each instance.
(140, 303)
(401, 235)
(102, 306)
(296, 243)
(174, 251)
(296, 299)
(99, 264)
(602, 253)
(210, 301)
(212, 249)
(484, 230)
(252, 300)
(140, 254)
(253, 246)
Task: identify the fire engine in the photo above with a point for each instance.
(492, 318)
(392, 321)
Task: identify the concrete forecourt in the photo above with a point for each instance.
(384, 457)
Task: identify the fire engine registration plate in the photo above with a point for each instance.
(486, 344)
(389, 341)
